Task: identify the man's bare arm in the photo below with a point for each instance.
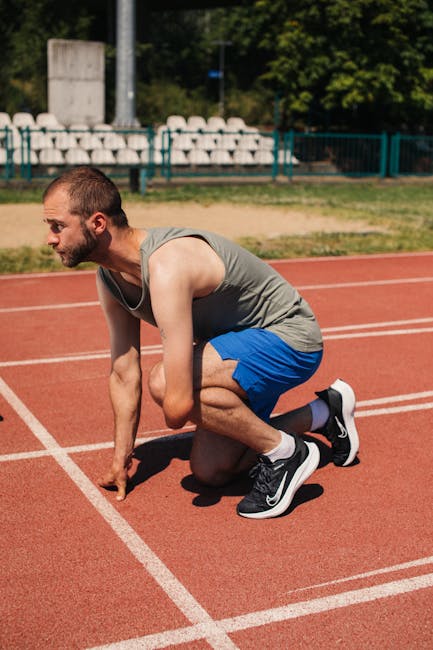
(125, 387)
(171, 293)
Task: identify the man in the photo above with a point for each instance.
(235, 336)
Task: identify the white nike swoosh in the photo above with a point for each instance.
(272, 501)
(342, 428)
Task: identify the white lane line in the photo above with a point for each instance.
(171, 638)
(395, 409)
(62, 305)
(395, 398)
(85, 356)
(368, 574)
(157, 348)
(327, 603)
(174, 589)
(365, 283)
(390, 323)
(306, 287)
(363, 335)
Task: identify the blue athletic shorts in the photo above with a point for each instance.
(267, 366)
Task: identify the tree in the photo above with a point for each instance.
(355, 63)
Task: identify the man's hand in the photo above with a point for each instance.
(116, 477)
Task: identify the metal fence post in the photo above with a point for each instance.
(395, 155)
(383, 154)
(9, 166)
(291, 149)
(26, 163)
(276, 136)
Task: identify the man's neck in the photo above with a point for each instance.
(122, 251)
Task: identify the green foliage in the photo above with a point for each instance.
(346, 64)
(351, 63)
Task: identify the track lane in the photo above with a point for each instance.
(312, 544)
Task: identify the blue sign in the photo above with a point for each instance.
(215, 74)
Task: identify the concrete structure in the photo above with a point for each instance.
(76, 81)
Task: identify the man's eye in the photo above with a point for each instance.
(57, 227)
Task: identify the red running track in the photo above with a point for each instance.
(350, 564)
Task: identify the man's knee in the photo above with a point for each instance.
(156, 383)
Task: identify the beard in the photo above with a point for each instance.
(73, 255)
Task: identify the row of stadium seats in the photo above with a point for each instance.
(115, 141)
(189, 141)
(127, 156)
(174, 122)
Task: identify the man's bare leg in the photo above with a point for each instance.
(229, 435)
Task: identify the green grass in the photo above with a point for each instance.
(399, 217)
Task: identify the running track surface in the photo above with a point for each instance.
(350, 565)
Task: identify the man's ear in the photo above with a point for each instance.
(98, 223)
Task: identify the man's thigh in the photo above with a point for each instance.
(211, 371)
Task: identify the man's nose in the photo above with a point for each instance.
(52, 239)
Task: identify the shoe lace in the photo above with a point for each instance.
(262, 474)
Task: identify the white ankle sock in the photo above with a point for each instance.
(284, 449)
(319, 414)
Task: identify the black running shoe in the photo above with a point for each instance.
(340, 428)
(276, 483)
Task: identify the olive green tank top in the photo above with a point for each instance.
(251, 295)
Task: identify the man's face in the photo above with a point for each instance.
(72, 240)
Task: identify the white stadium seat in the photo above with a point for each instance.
(227, 141)
(266, 142)
(102, 157)
(137, 141)
(21, 120)
(40, 140)
(206, 141)
(236, 124)
(17, 157)
(176, 122)
(47, 120)
(127, 157)
(51, 157)
(77, 156)
(65, 141)
(264, 157)
(89, 142)
(196, 123)
(178, 157)
(5, 120)
(247, 142)
(221, 157)
(114, 141)
(241, 157)
(216, 123)
(182, 141)
(3, 156)
(198, 157)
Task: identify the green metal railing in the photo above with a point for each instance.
(330, 154)
(167, 154)
(411, 155)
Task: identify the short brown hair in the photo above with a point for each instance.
(90, 191)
